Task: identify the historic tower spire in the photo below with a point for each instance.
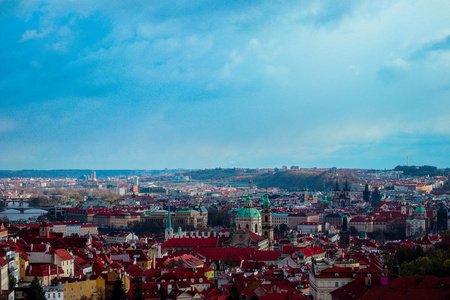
(266, 215)
(168, 234)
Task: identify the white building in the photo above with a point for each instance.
(309, 227)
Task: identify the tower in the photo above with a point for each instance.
(442, 215)
(366, 194)
(403, 207)
(346, 190)
(266, 215)
(168, 233)
(396, 267)
(337, 191)
(376, 196)
(344, 234)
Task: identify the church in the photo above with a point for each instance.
(253, 228)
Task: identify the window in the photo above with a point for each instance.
(336, 284)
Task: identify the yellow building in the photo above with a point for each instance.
(77, 289)
(22, 265)
(112, 276)
(63, 259)
(4, 279)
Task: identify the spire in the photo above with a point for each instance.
(266, 203)
(169, 221)
(344, 225)
(346, 186)
(231, 227)
(396, 267)
(248, 202)
(337, 186)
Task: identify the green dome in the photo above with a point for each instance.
(420, 209)
(127, 214)
(248, 212)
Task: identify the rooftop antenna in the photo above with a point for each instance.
(407, 160)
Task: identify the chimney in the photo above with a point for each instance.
(31, 247)
(154, 261)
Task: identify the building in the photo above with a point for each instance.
(416, 224)
(325, 278)
(342, 198)
(280, 218)
(249, 217)
(309, 227)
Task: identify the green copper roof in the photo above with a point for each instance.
(420, 209)
(403, 199)
(187, 211)
(266, 202)
(248, 212)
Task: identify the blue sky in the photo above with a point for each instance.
(199, 84)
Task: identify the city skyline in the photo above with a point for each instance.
(200, 85)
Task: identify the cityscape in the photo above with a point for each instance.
(227, 233)
(224, 150)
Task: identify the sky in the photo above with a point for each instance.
(205, 84)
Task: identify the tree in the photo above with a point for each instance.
(118, 291)
(35, 291)
(138, 291)
(12, 281)
(100, 294)
(162, 293)
(234, 293)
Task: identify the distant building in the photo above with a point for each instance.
(416, 224)
(376, 196)
(342, 198)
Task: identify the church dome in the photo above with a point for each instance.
(248, 212)
(420, 209)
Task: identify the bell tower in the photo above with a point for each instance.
(168, 233)
(266, 216)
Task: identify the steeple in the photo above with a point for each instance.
(169, 231)
(248, 202)
(344, 224)
(169, 221)
(396, 267)
(266, 202)
(337, 186)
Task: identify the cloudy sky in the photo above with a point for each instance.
(198, 84)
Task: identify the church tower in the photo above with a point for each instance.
(337, 191)
(168, 233)
(266, 215)
(442, 215)
(366, 194)
(346, 190)
(403, 207)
